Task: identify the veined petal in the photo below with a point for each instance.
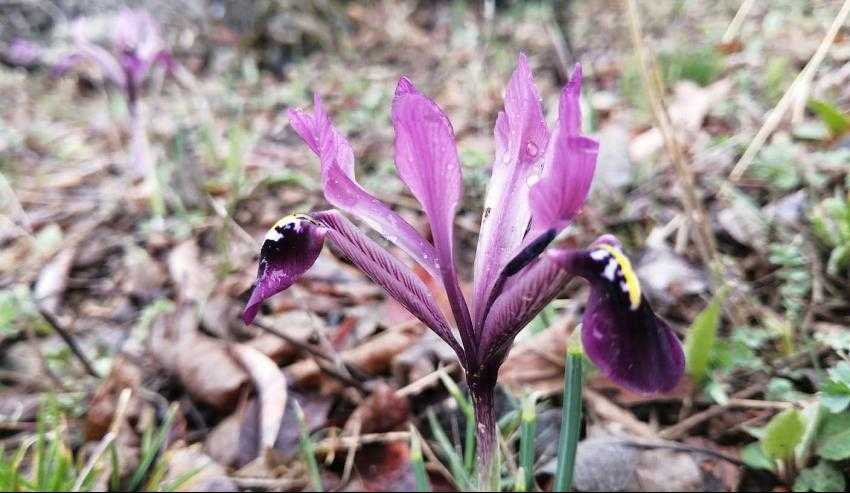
(293, 244)
(289, 249)
(557, 197)
(568, 167)
(389, 273)
(620, 333)
(521, 137)
(427, 162)
(518, 304)
(342, 190)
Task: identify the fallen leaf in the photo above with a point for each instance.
(189, 274)
(204, 365)
(203, 473)
(669, 277)
(271, 389)
(53, 279)
(537, 363)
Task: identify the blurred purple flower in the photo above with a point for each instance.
(23, 53)
(136, 49)
(541, 178)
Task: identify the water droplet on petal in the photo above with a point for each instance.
(531, 149)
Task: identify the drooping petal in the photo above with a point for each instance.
(294, 243)
(635, 349)
(85, 51)
(568, 167)
(620, 333)
(427, 162)
(521, 137)
(389, 273)
(289, 249)
(342, 190)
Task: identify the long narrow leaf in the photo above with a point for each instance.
(528, 429)
(456, 465)
(417, 463)
(570, 422)
(308, 450)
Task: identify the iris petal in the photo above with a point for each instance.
(635, 349)
(427, 161)
(521, 137)
(568, 167)
(620, 332)
(342, 190)
(293, 244)
(289, 249)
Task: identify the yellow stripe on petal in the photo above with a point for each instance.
(632, 282)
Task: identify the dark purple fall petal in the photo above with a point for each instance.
(620, 333)
(427, 162)
(635, 349)
(85, 51)
(342, 190)
(521, 137)
(289, 249)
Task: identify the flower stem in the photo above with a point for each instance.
(482, 392)
(570, 422)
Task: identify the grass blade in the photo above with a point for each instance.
(528, 428)
(417, 463)
(151, 448)
(308, 450)
(570, 422)
(456, 465)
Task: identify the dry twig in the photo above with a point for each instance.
(775, 117)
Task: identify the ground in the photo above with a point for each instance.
(124, 363)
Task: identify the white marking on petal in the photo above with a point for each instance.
(273, 235)
(624, 286)
(610, 269)
(599, 255)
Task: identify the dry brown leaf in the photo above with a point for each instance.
(271, 389)
(372, 357)
(190, 275)
(538, 363)
(205, 474)
(204, 365)
(53, 279)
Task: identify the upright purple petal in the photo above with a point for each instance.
(427, 161)
(521, 137)
(568, 168)
(620, 333)
(289, 249)
(342, 190)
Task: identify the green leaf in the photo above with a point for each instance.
(835, 397)
(822, 477)
(701, 337)
(782, 434)
(754, 458)
(835, 394)
(834, 437)
(835, 120)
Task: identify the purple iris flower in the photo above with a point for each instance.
(540, 180)
(136, 49)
